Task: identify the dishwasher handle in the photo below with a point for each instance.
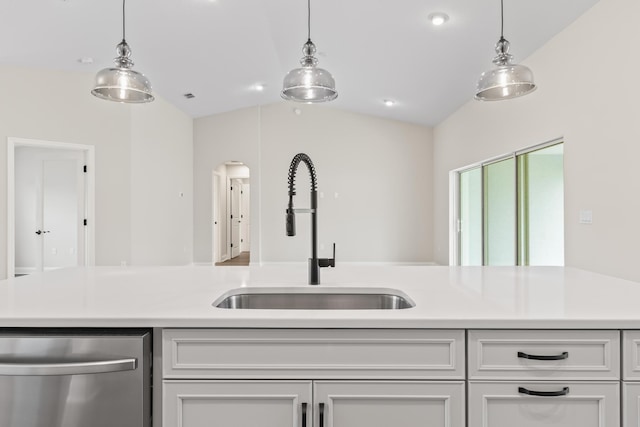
(67, 368)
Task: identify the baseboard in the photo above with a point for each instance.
(351, 263)
(25, 270)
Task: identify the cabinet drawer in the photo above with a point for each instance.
(583, 404)
(549, 354)
(313, 353)
(631, 352)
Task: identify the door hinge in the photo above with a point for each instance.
(85, 221)
(231, 216)
(84, 169)
(232, 245)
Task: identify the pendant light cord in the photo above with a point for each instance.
(309, 20)
(123, 26)
(501, 19)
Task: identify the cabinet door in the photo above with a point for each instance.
(507, 404)
(236, 403)
(631, 405)
(389, 404)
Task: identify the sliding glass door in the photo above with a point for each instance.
(470, 219)
(499, 212)
(510, 209)
(541, 206)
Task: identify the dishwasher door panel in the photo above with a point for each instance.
(72, 379)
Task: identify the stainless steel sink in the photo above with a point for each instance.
(314, 299)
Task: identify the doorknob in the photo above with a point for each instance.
(39, 232)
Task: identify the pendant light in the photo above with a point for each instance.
(309, 83)
(507, 80)
(122, 84)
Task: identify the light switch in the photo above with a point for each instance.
(586, 217)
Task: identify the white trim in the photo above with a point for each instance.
(454, 218)
(89, 150)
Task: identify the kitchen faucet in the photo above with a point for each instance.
(314, 262)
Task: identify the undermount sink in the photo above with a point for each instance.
(314, 299)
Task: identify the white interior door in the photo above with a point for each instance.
(216, 227)
(236, 219)
(245, 235)
(50, 208)
(62, 213)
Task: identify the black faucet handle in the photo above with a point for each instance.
(328, 262)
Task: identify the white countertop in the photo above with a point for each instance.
(445, 297)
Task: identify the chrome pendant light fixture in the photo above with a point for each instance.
(309, 83)
(122, 84)
(507, 80)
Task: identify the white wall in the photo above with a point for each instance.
(379, 169)
(217, 139)
(57, 106)
(586, 95)
(161, 185)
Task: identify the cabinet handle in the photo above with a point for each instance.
(564, 355)
(563, 392)
(304, 415)
(321, 414)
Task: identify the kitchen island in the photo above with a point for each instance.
(445, 297)
(482, 347)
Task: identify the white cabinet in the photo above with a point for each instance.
(235, 403)
(336, 403)
(566, 404)
(319, 378)
(540, 378)
(388, 403)
(313, 353)
(631, 403)
(631, 378)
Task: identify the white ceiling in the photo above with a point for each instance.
(218, 49)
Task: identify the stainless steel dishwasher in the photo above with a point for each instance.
(75, 378)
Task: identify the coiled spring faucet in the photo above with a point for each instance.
(314, 262)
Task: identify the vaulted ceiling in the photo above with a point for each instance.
(219, 50)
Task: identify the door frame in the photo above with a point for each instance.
(89, 237)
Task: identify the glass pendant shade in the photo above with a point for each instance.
(505, 81)
(309, 83)
(121, 83)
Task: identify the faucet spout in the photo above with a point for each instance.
(314, 262)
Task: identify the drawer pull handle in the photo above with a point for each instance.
(304, 415)
(321, 414)
(564, 355)
(563, 392)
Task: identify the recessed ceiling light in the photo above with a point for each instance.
(189, 95)
(85, 60)
(438, 18)
(259, 87)
(389, 102)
